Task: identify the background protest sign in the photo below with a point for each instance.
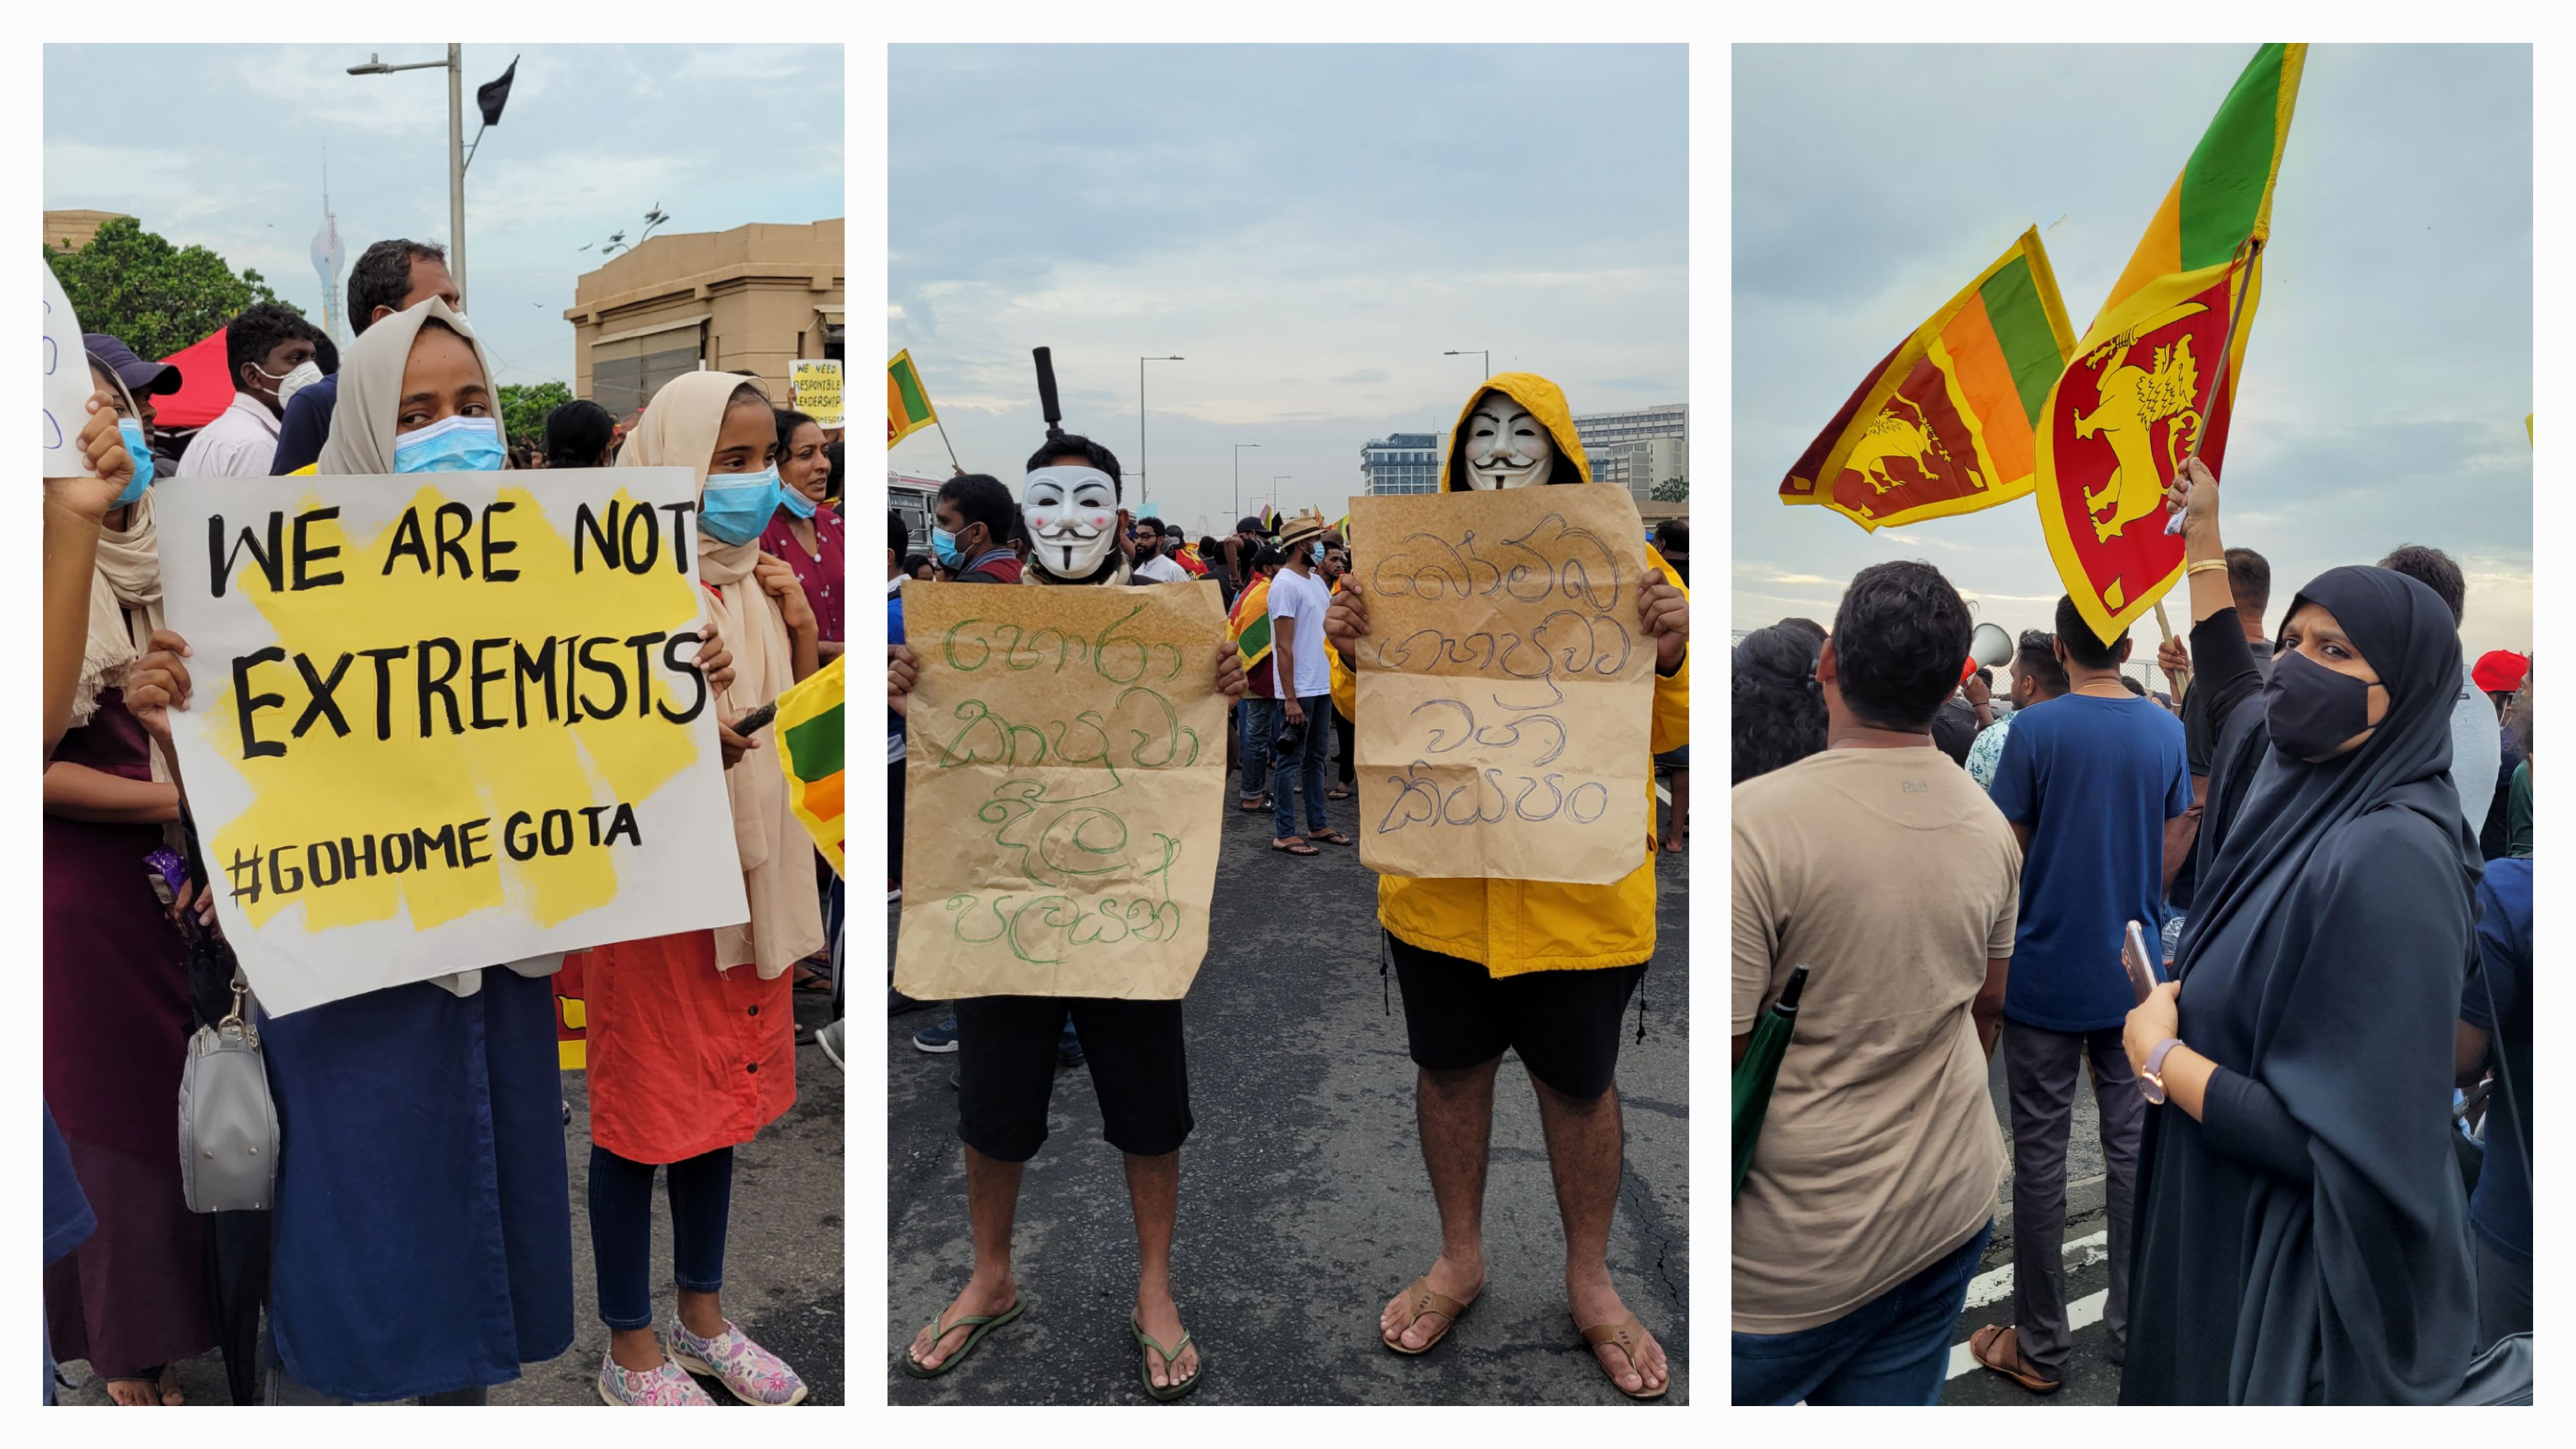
(67, 386)
(816, 386)
(1063, 790)
(445, 721)
(1505, 690)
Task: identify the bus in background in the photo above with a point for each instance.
(916, 499)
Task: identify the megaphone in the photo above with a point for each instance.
(1990, 646)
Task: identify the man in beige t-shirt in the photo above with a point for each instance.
(1880, 866)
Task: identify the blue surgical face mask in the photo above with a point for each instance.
(139, 448)
(943, 547)
(1316, 553)
(736, 506)
(795, 501)
(451, 445)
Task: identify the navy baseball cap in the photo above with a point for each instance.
(138, 376)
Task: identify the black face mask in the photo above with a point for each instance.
(2312, 710)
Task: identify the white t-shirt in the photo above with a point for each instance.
(1161, 570)
(2477, 751)
(1303, 599)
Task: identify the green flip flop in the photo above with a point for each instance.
(1170, 1356)
(980, 1324)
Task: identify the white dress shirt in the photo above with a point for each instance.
(240, 443)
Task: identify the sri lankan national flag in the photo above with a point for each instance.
(1943, 424)
(2148, 386)
(908, 408)
(1249, 625)
(809, 750)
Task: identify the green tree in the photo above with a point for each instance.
(524, 407)
(156, 298)
(1672, 490)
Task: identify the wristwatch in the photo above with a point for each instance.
(2151, 1078)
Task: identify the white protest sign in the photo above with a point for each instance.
(67, 386)
(816, 388)
(445, 720)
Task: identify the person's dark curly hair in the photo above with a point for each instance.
(381, 277)
(257, 330)
(2036, 655)
(579, 434)
(1074, 445)
(1779, 715)
(2083, 645)
(2434, 570)
(1900, 638)
(981, 498)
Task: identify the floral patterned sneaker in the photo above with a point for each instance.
(663, 1384)
(752, 1373)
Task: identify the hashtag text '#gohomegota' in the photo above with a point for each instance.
(525, 835)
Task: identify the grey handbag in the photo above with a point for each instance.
(227, 1122)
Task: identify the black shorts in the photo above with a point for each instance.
(1006, 1072)
(1564, 1024)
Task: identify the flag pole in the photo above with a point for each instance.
(2252, 249)
(943, 442)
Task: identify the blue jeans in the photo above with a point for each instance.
(1894, 1349)
(1301, 765)
(1260, 723)
(621, 1229)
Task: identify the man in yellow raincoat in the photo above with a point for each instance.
(1538, 967)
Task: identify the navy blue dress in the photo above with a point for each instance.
(423, 1229)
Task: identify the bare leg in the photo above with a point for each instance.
(992, 1201)
(1455, 1112)
(1154, 1192)
(1584, 1149)
(1677, 835)
(702, 1313)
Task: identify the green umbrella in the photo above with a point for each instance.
(1760, 1068)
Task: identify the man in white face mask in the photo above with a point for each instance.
(1540, 968)
(1008, 1047)
(268, 348)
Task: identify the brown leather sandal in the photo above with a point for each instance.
(1628, 1336)
(2020, 1370)
(1420, 1299)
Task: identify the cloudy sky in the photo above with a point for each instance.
(1310, 227)
(223, 146)
(2390, 367)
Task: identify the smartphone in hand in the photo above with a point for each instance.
(2141, 965)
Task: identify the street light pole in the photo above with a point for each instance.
(1140, 423)
(454, 65)
(1275, 480)
(1485, 353)
(1238, 476)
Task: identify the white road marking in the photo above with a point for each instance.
(1996, 1285)
(1664, 793)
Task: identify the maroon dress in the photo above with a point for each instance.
(819, 572)
(117, 1020)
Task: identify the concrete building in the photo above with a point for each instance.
(69, 231)
(1639, 448)
(750, 300)
(1401, 463)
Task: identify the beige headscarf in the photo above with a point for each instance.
(362, 444)
(124, 610)
(679, 429)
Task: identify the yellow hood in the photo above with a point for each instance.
(1545, 401)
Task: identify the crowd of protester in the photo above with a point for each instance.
(2315, 1127)
(421, 1240)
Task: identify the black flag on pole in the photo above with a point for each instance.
(493, 95)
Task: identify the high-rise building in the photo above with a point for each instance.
(1639, 448)
(326, 262)
(1401, 463)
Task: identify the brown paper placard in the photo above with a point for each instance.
(1505, 688)
(1064, 789)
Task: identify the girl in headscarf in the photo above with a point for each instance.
(422, 1235)
(132, 1299)
(692, 1037)
(2301, 1230)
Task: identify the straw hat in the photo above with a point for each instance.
(1305, 528)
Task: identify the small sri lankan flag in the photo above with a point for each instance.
(810, 751)
(908, 408)
(2144, 389)
(1943, 424)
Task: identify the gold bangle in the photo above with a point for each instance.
(2204, 566)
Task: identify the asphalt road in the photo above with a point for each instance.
(783, 1254)
(1303, 1201)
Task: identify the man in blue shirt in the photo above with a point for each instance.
(391, 276)
(2090, 781)
(2500, 1209)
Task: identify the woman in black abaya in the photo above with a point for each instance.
(2301, 1230)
